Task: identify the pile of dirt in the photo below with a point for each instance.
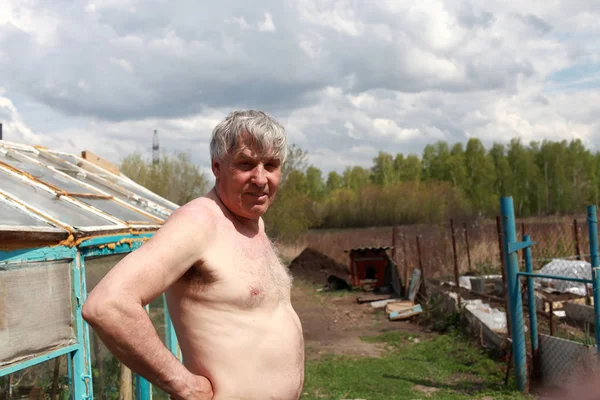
(314, 267)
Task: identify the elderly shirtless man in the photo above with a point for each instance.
(227, 291)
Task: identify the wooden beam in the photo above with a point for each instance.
(125, 383)
(29, 239)
(86, 195)
(99, 161)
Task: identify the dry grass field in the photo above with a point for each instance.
(555, 238)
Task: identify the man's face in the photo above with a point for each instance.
(247, 181)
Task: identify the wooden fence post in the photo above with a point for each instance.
(468, 247)
(456, 274)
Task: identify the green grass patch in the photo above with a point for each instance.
(443, 367)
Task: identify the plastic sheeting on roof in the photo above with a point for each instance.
(41, 189)
(568, 268)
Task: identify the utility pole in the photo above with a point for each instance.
(155, 147)
(0, 130)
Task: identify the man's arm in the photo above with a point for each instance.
(115, 310)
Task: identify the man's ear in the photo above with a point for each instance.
(216, 167)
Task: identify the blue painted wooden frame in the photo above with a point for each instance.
(79, 358)
(37, 254)
(112, 245)
(76, 353)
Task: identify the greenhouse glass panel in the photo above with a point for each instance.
(82, 164)
(62, 166)
(12, 216)
(110, 191)
(143, 192)
(140, 191)
(143, 204)
(96, 268)
(83, 175)
(28, 383)
(50, 204)
(118, 210)
(35, 309)
(47, 175)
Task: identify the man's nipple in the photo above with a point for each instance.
(254, 292)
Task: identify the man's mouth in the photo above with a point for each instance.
(258, 195)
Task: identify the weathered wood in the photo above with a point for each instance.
(455, 256)
(13, 238)
(415, 284)
(368, 299)
(86, 195)
(422, 270)
(125, 384)
(406, 268)
(468, 247)
(99, 161)
(381, 303)
(398, 306)
(403, 315)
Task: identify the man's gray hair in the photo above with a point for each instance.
(265, 132)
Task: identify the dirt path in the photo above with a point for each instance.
(333, 322)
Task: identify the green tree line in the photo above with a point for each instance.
(447, 180)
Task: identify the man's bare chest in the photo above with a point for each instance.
(243, 276)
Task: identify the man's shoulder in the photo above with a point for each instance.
(203, 211)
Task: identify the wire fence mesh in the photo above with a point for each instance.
(565, 363)
(472, 254)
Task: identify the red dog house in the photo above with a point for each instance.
(372, 268)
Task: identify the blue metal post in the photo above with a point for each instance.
(531, 299)
(143, 388)
(514, 293)
(593, 233)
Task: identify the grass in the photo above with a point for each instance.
(443, 367)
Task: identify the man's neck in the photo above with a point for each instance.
(249, 224)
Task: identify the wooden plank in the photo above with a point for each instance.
(99, 161)
(398, 306)
(125, 384)
(368, 299)
(13, 239)
(415, 283)
(403, 315)
(381, 303)
(87, 195)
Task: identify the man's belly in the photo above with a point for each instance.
(246, 355)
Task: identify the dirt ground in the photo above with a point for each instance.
(333, 321)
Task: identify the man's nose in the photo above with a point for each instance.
(259, 177)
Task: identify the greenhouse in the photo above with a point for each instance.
(65, 221)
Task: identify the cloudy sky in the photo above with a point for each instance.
(346, 78)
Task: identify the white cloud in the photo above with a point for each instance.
(267, 25)
(124, 64)
(338, 16)
(346, 78)
(13, 127)
(240, 21)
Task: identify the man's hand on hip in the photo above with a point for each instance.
(199, 389)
